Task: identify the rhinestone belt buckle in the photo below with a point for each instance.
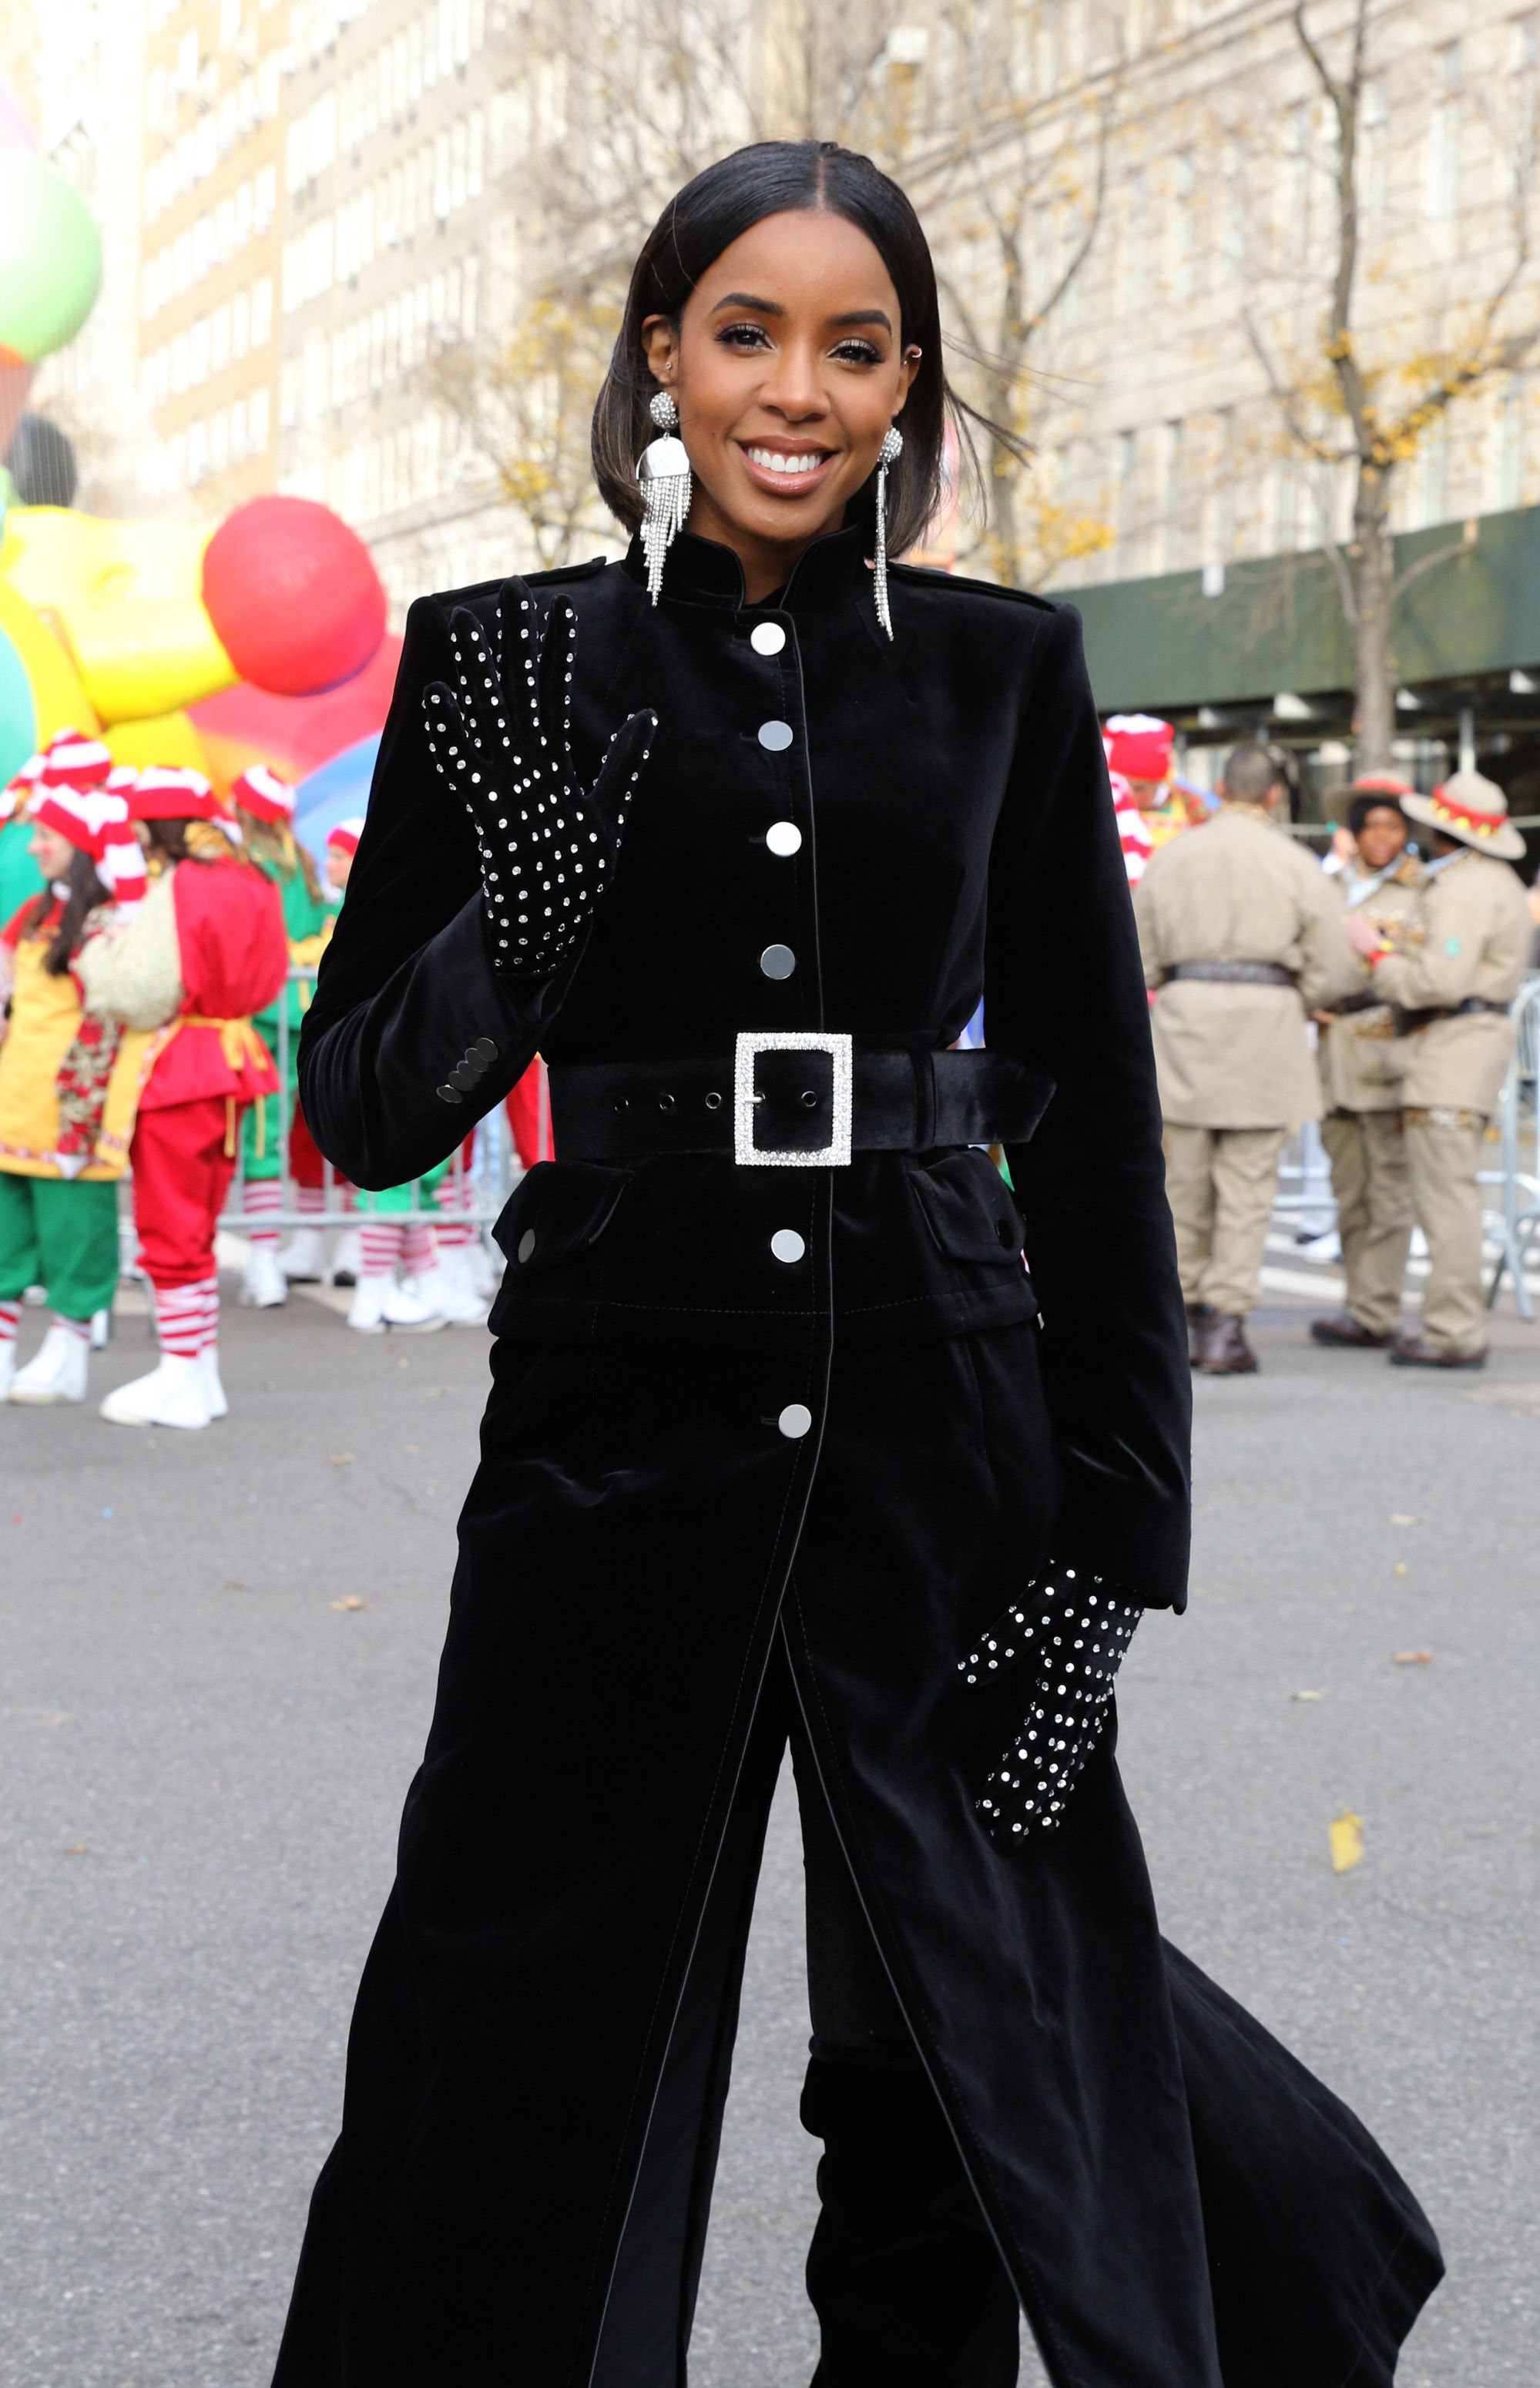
(835, 1154)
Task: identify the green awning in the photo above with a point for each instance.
(1161, 646)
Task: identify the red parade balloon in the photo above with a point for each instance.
(293, 594)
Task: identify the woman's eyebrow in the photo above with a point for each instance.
(771, 307)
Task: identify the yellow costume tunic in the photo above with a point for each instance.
(44, 1021)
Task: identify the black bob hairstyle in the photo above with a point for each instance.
(723, 202)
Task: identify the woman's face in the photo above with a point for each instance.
(788, 368)
(338, 863)
(1382, 838)
(52, 852)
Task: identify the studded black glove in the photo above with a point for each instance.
(500, 738)
(1074, 1628)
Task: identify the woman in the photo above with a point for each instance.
(68, 1087)
(775, 1436)
(207, 950)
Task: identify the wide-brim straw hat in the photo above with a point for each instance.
(1473, 809)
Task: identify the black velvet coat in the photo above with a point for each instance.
(541, 2043)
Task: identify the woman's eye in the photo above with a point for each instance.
(745, 336)
(857, 352)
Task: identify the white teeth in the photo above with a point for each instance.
(770, 461)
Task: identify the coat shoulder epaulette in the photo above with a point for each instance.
(928, 576)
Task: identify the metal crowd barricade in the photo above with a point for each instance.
(1515, 1221)
(482, 1189)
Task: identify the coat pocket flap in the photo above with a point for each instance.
(969, 1209)
(560, 1209)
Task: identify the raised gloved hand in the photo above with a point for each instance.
(498, 737)
(1072, 1629)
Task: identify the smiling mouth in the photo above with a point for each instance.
(791, 469)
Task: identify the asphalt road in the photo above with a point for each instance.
(219, 1663)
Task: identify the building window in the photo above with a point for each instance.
(219, 441)
(198, 451)
(219, 339)
(1443, 135)
(243, 215)
(198, 353)
(258, 421)
(261, 310)
(240, 324)
(266, 197)
(237, 431)
(179, 364)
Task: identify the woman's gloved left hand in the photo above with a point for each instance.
(1073, 1628)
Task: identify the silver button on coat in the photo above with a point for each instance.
(778, 961)
(526, 1243)
(787, 1245)
(783, 837)
(776, 735)
(766, 638)
(795, 1420)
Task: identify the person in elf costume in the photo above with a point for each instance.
(304, 1260)
(68, 1087)
(207, 951)
(264, 811)
(401, 1281)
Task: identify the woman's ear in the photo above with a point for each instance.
(908, 365)
(660, 347)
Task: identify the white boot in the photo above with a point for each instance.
(212, 1386)
(101, 1329)
(264, 1285)
(7, 1365)
(55, 1372)
(173, 1395)
(303, 1258)
(379, 1303)
(348, 1259)
(446, 1289)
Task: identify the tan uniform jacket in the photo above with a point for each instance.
(1469, 936)
(1360, 1053)
(1236, 890)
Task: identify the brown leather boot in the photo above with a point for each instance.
(1342, 1332)
(1224, 1351)
(1411, 1352)
(1198, 1316)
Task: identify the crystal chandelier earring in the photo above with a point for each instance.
(887, 454)
(663, 472)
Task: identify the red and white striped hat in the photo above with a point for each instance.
(72, 814)
(72, 760)
(121, 864)
(264, 795)
(346, 834)
(161, 793)
(1139, 744)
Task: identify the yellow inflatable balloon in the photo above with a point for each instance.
(59, 699)
(126, 596)
(169, 740)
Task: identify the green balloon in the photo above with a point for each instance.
(50, 258)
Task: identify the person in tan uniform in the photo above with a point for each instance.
(1452, 976)
(1241, 935)
(1360, 1066)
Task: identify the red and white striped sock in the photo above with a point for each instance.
(310, 1200)
(451, 1200)
(79, 1327)
(210, 1291)
(10, 1319)
(382, 1246)
(179, 1310)
(262, 1201)
(419, 1252)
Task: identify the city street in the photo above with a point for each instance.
(219, 1654)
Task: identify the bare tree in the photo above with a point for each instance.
(627, 98)
(1386, 356)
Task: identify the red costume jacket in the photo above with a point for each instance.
(234, 959)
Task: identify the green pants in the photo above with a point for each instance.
(262, 1129)
(61, 1234)
(395, 1202)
